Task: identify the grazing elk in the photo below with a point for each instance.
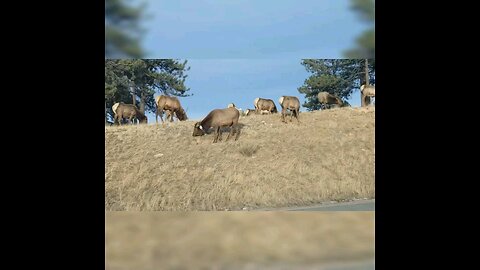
(367, 91)
(263, 105)
(217, 119)
(172, 106)
(129, 111)
(289, 103)
(326, 100)
(249, 112)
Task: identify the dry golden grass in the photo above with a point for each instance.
(329, 155)
(237, 240)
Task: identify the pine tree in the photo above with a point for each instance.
(340, 77)
(137, 80)
(122, 31)
(365, 43)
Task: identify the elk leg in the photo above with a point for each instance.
(215, 135)
(167, 115)
(131, 120)
(161, 112)
(237, 131)
(232, 130)
(219, 133)
(121, 122)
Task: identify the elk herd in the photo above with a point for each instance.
(228, 117)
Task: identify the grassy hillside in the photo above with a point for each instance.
(238, 240)
(329, 155)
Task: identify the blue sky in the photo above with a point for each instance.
(215, 83)
(249, 28)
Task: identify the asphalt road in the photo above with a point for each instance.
(358, 205)
(366, 265)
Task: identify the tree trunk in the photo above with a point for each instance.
(365, 101)
(132, 89)
(142, 102)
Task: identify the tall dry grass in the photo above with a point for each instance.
(238, 240)
(329, 155)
